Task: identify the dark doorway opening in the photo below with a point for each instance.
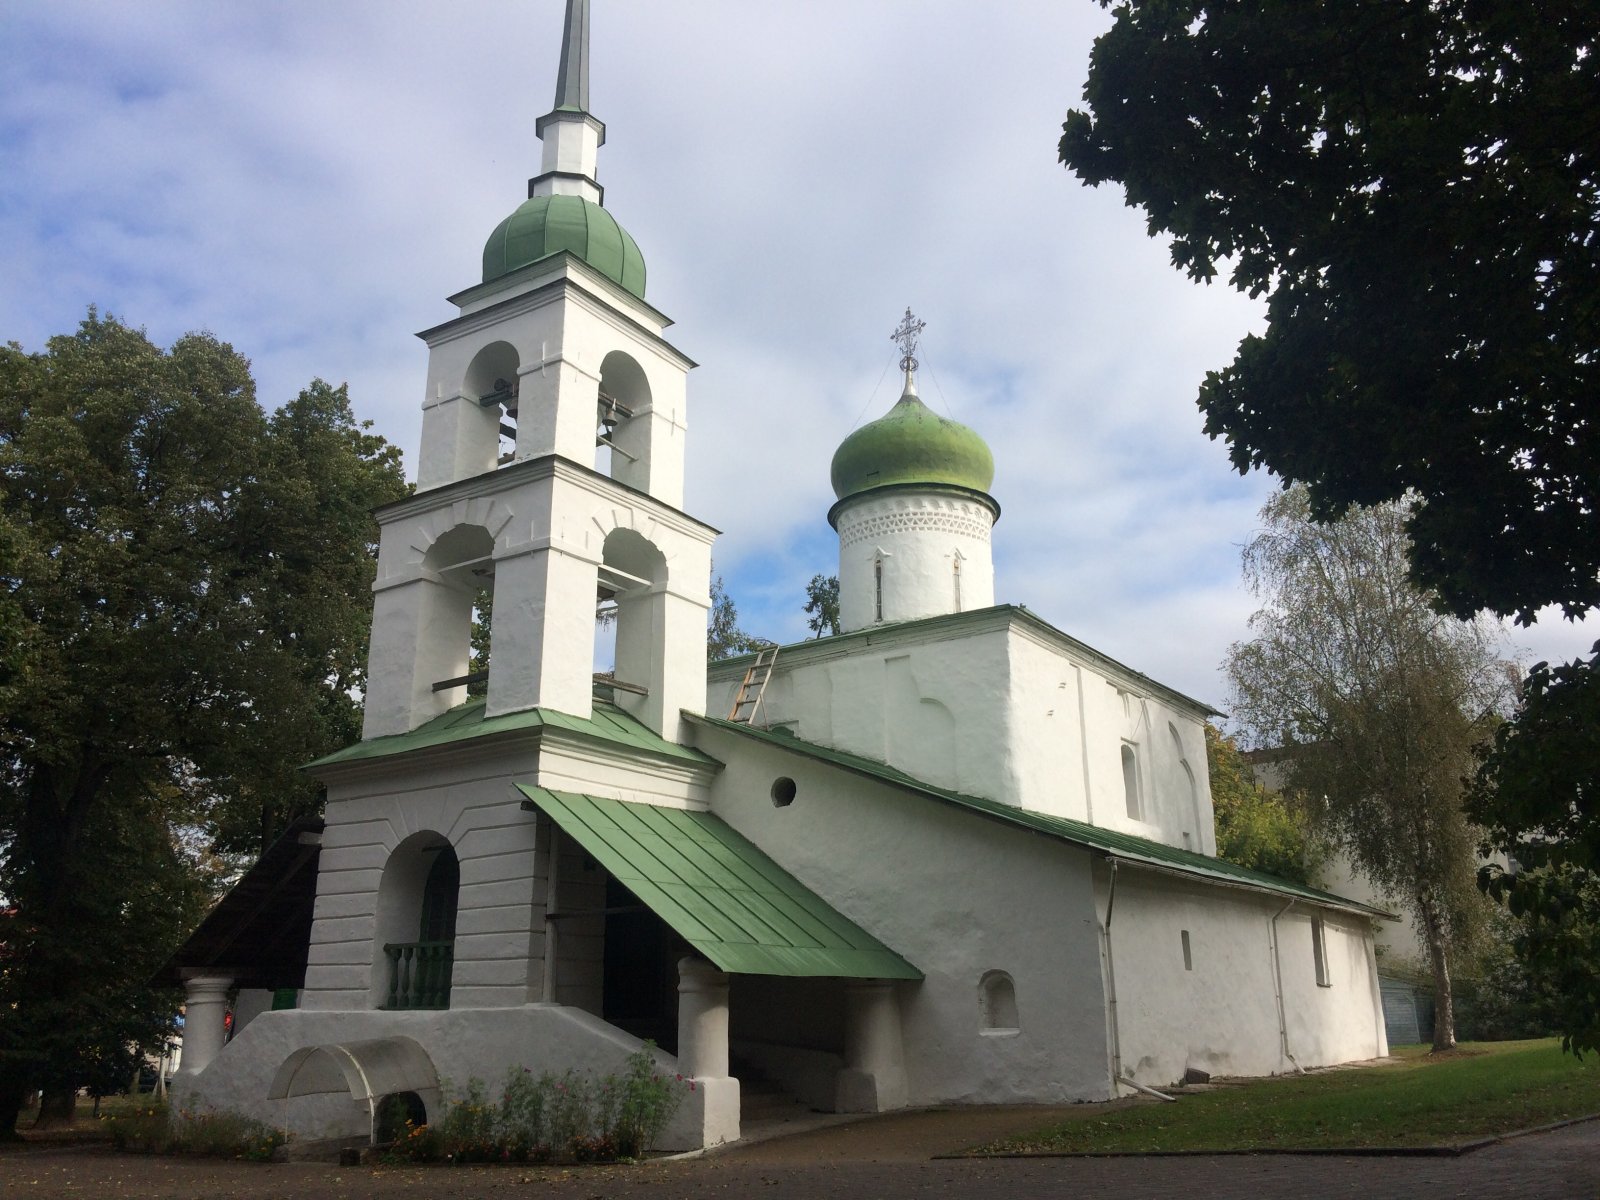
(640, 988)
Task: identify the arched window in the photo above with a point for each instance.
(414, 952)
(462, 559)
(997, 1003)
(955, 571)
(877, 587)
(493, 380)
(1130, 781)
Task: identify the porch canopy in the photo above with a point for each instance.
(726, 898)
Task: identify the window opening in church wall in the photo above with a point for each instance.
(1130, 781)
(1319, 952)
(997, 1002)
(783, 792)
(1188, 958)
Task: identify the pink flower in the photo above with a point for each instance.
(691, 1085)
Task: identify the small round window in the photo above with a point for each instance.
(782, 792)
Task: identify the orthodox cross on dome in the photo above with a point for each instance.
(906, 337)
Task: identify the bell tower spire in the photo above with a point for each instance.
(572, 137)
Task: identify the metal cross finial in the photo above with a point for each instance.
(906, 336)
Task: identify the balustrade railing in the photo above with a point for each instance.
(419, 974)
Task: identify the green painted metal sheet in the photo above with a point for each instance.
(470, 720)
(1125, 846)
(727, 899)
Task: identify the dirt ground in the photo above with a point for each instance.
(888, 1157)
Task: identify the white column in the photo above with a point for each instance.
(710, 1113)
(204, 1010)
(557, 410)
(460, 439)
(874, 1075)
(702, 1019)
(543, 657)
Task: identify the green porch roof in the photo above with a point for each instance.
(1126, 847)
(608, 723)
(719, 891)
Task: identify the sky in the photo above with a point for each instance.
(310, 181)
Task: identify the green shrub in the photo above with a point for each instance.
(215, 1133)
(542, 1118)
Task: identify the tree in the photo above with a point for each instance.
(1377, 703)
(724, 638)
(1412, 187)
(1255, 827)
(822, 604)
(180, 591)
(1535, 796)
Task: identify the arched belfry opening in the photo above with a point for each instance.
(414, 942)
(493, 381)
(462, 559)
(622, 435)
(632, 589)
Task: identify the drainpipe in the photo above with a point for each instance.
(1111, 981)
(1117, 1077)
(1277, 987)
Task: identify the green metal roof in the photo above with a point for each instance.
(547, 225)
(911, 444)
(727, 899)
(1126, 847)
(466, 721)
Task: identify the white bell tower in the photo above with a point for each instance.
(551, 468)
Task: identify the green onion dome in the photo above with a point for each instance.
(912, 445)
(547, 225)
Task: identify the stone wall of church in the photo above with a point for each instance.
(1197, 970)
(468, 800)
(964, 900)
(986, 707)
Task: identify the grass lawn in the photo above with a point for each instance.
(1481, 1089)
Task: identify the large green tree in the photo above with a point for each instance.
(1376, 703)
(1256, 827)
(182, 593)
(1415, 189)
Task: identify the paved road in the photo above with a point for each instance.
(1564, 1164)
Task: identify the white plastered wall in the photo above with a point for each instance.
(957, 896)
(471, 803)
(987, 708)
(1221, 1016)
(481, 1045)
(918, 543)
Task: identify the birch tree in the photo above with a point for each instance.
(1376, 702)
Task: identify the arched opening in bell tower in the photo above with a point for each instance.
(493, 380)
(462, 559)
(632, 583)
(622, 435)
(414, 944)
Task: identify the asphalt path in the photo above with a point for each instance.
(886, 1157)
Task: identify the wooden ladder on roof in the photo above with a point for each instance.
(747, 700)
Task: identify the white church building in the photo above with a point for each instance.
(948, 855)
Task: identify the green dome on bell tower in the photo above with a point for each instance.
(547, 225)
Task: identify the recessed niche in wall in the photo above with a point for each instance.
(997, 1002)
(1188, 959)
(783, 791)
